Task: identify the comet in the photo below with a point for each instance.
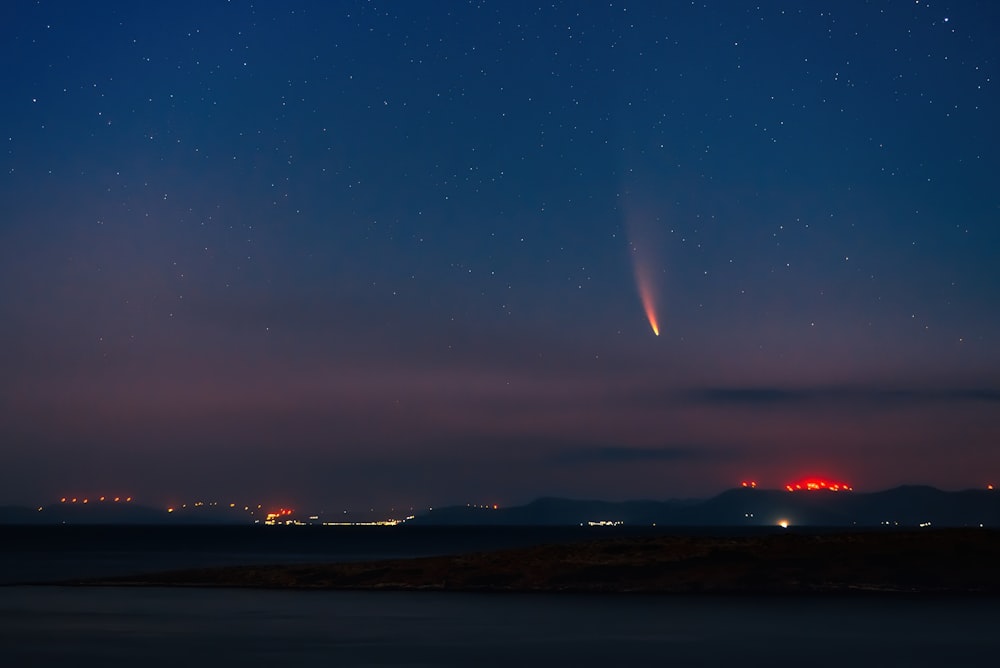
(646, 294)
(647, 288)
(643, 230)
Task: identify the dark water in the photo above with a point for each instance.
(90, 626)
(60, 626)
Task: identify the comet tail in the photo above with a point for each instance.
(648, 298)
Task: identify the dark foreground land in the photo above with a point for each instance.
(962, 561)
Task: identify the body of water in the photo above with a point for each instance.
(150, 627)
(52, 625)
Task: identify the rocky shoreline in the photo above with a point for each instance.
(949, 562)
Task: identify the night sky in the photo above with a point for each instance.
(391, 253)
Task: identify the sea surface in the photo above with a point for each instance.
(112, 626)
(57, 625)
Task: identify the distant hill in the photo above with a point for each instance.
(908, 506)
(117, 513)
(18, 515)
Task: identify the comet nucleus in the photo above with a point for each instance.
(646, 294)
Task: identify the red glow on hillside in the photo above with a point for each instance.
(751, 484)
(815, 484)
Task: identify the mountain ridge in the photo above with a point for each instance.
(903, 506)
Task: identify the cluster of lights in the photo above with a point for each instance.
(749, 484)
(213, 504)
(284, 516)
(113, 499)
(273, 518)
(374, 523)
(814, 484)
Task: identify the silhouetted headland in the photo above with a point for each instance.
(953, 561)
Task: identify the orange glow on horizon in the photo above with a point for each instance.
(86, 499)
(815, 484)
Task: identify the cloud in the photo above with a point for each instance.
(853, 396)
(753, 395)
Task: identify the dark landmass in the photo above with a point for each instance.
(908, 506)
(958, 561)
(117, 513)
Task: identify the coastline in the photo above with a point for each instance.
(923, 562)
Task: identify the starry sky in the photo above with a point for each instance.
(390, 253)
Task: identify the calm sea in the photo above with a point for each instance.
(109, 626)
(83, 627)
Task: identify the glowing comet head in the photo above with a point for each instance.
(650, 313)
(648, 298)
(643, 240)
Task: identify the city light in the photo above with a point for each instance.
(281, 516)
(273, 518)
